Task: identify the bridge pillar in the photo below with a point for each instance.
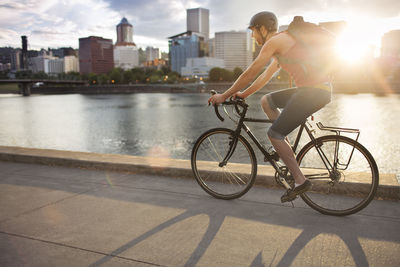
(26, 89)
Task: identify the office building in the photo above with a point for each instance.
(183, 46)
(71, 64)
(53, 66)
(197, 20)
(16, 60)
(235, 48)
(124, 32)
(126, 54)
(192, 43)
(63, 52)
(200, 66)
(95, 55)
(38, 64)
(211, 47)
(152, 53)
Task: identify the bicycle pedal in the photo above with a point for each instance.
(288, 199)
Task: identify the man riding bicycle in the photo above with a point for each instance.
(312, 91)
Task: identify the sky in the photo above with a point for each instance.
(60, 23)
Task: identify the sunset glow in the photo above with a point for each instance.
(361, 39)
(354, 43)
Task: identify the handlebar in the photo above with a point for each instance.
(236, 102)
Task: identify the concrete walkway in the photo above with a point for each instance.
(62, 216)
(389, 185)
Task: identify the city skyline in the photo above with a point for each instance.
(61, 23)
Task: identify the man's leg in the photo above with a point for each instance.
(286, 153)
(272, 113)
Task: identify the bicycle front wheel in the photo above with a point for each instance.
(225, 181)
(338, 166)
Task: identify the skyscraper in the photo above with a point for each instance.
(235, 48)
(183, 46)
(194, 42)
(126, 54)
(152, 53)
(95, 55)
(197, 20)
(124, 32)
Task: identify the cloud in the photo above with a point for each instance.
(55, 23)
(50, 23)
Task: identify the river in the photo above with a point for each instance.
(166, 125)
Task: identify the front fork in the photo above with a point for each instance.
(231, 150)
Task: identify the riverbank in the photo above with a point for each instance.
(389, 187)
(339, 88)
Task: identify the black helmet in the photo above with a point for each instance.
(268, 19)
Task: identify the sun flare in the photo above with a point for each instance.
(359, 40)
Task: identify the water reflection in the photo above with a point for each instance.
(168, 124)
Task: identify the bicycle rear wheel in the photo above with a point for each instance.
(353, 175)
(225, 182)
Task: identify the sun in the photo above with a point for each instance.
(357, 41)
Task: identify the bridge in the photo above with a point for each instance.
(26, 84)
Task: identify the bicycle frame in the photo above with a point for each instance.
(268, 157)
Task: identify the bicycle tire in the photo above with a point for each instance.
(357, 183)
(230, 181)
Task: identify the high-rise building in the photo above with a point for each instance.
(152, 53)
(235, 48)
(211, 47)
(183, 46)
(126, 54)
(16, 60)
(38, 64)
(53, 66)
(197, 20)
(95, 55)
(192, 43)
(124, 32)
(71, 63)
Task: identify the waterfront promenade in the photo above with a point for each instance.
(130, 211)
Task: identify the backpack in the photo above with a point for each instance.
(317, 41)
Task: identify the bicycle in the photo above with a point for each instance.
(225, 166)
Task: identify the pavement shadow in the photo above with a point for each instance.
(311, 224)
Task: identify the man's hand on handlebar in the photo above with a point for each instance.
(239, 95)
(216, 99)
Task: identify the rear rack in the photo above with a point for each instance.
(338, 130)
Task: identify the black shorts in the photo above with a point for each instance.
(298, 104)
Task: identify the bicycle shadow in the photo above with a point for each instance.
(216, 220)
(253, 207)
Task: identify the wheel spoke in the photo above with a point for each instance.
(232, 180)
(340, 191)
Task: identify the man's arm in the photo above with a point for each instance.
(262, 80)
(267, 51)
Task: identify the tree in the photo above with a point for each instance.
(127, 77)
(227, 75)
(103, 78)
(215, 74)
(116, 75)
(92, 78)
